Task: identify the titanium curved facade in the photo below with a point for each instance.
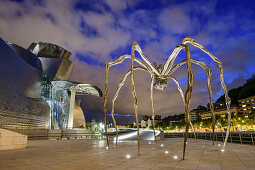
(20, 89)
(34, 87)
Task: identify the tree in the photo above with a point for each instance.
(247, 90)
(200, 107)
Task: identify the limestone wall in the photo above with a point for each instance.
(12, 140)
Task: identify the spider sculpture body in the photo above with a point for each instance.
(161, 74)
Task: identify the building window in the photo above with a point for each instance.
(244, 105)
(243, 102)
(244, 109)
(252, 100)
(247, 101)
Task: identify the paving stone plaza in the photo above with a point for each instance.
(91, 154)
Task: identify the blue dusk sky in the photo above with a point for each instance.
(96, 31)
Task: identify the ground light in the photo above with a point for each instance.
(166, 152)
(161, 145)
(149, 142)
(107, 147)
(222, 150)
(128, 156)
(175, 157)
(218, 144)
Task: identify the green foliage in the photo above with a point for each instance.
(161, 125)
(247, 90)
(196, 123)
(200, 107)
(88, 125)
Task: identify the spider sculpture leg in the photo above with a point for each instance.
(188, 95)
(190, 40)
(134, 94)
(105, 100)
(171, 59)
(134, 47)
(121, 84)
(119, 60)
(183, 99)
(152, 108)
(165, 71)
(208, 75)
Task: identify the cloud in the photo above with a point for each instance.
(175, 20)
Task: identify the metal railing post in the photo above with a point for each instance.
(240, 138)
(252, 140)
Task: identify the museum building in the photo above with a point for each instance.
(35, 91)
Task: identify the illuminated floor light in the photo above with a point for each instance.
(166, 152)
(175, 157)
(186, 143)
(149, 142)
(218, 144)
(222, 150)
(128, 156)
(107, 147)
(161, 145)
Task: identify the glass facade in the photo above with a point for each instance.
(58, 100)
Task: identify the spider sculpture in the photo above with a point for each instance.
(160, 74)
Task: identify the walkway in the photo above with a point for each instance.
(91, 154)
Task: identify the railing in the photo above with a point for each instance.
(57, 134)
(234, 137)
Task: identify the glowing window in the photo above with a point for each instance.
(244, 105)
(244, 109)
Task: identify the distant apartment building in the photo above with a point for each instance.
(247, 105)
(195, 114)
(157, 118)
(222, 112)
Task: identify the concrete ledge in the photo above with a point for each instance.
(12, 140)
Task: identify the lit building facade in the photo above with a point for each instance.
(195, 114)
(247, 105)
(34, 88)
(222, 112)
(21, 75)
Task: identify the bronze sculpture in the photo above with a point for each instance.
(161, 74)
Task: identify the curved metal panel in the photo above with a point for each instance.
(29, 57)
(81, 89)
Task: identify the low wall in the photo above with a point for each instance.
(57, 134)
(12, 140)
